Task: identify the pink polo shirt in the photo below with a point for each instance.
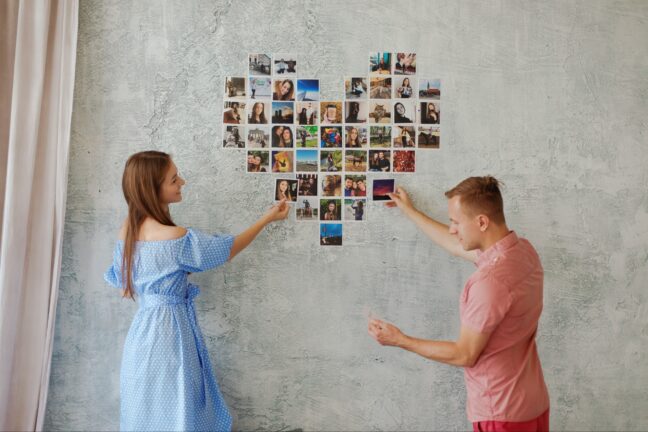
(504, 297)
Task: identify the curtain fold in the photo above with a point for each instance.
(35, 117)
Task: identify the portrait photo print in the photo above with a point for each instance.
(286, 189)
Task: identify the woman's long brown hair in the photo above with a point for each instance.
(142, 182)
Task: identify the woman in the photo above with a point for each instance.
(353, 138)
(277, 135)
(358, 210)
(258, 114)
(286, 139)
(167, 381)
(405, 138)
(284, 90)
(374, 162)
(405, 90)
(303, 117)
(331, 213)
(399, 114)
(431, 115)
(283, 191)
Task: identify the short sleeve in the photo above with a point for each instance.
(486, 304)
(200, 251)
(113, 274)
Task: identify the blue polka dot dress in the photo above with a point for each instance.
(167, 381)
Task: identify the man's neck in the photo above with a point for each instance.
(494, 234)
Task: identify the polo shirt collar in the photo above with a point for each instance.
(495, 250)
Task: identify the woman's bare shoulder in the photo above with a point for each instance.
(152, 230)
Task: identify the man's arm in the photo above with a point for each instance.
(463, 353)
(435, 230)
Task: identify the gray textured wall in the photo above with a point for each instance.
(551, 97)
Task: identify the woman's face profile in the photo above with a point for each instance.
(171, 190)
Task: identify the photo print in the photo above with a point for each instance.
(282, 136)
(355, 160)
(307, 113)
(404, 87)
(355, 137)
(331, 185)
(234, 112)
(258, 161)
(380, 136)
(259, 65)
(430, 112)
(405, 111)
(283, 112)
(307, 209)
(355, 185)
(330, 160)
(307, 90)
(307, 160)
(282, 161)
(404, 161)
(380, 63)
(380, 160)
(307, 185)
(286, 189)
(234, 137)
(429, 137)
(285, 65)
(235, 87)
(330, 209)
(259, 87)
(330, 112)
(379, 111)
(429, 88)
(382, 188)
(355, 209)
(330, 136)
(356, 111)
(331, 234)
(405, 64)
(355, 88)
(258, 137)
(307, 136)
(380, 88)
(258, 112)
(283, 89)
(404, 136)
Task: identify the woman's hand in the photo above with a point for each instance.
(279, 211)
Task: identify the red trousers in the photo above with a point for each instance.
(538, 424)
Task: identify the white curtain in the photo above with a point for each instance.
(37, 58)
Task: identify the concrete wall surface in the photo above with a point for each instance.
(549, 96)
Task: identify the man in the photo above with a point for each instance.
(383, 162)
(499, 309)
(348, 187)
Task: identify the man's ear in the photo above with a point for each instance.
(484, 222)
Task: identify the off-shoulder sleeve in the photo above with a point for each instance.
(200, 251)
(113, 275)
